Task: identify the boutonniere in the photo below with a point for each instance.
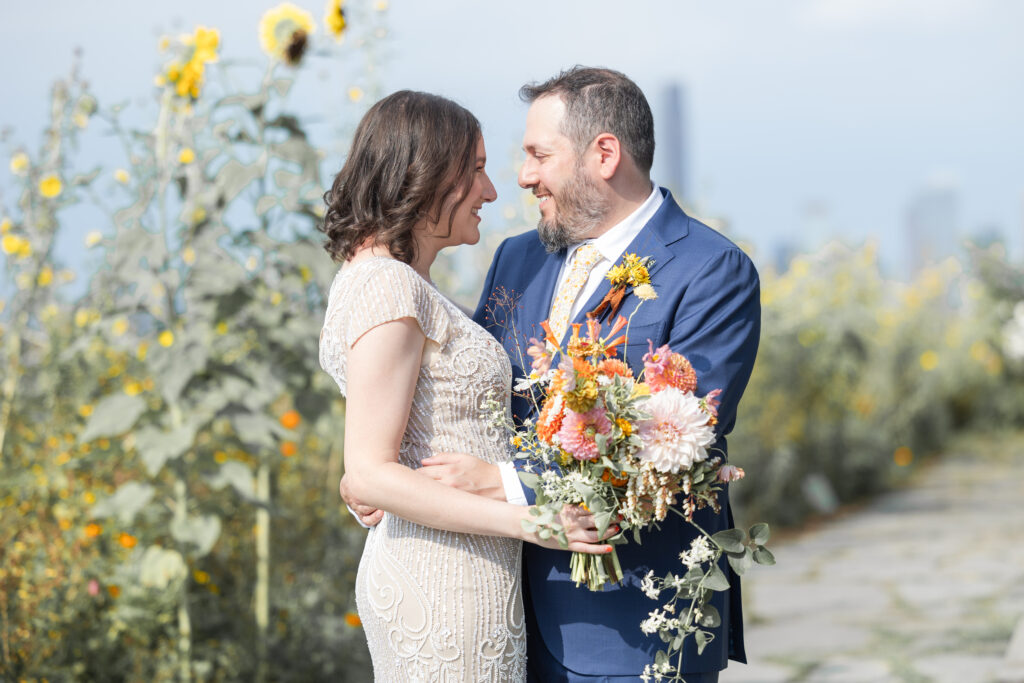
(631, 273)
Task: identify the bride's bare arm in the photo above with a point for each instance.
(383, 366)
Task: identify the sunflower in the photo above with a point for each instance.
(334, 18)
(187, 77)
(285, 31)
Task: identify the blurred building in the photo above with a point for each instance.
(671, 154)
(932, 225)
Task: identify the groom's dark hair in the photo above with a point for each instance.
(601, 101)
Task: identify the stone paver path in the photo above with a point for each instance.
(925, 584)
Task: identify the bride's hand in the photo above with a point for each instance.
(581, 531)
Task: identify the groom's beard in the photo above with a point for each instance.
(579, 208)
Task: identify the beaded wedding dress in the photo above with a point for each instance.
(435, 605)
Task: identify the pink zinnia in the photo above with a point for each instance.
(664, 369)
(578, 432)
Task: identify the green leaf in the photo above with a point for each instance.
(702, 640)
(763, 556)
(741, 562)
(730, 540)
(238, 476)
(200, 531)
(156, 447)
(265, 203)
(530, 480)
(716, 579)
(660, 658)
(710, 617)
(161, 567)
(759, 533)
(125, 503)
(112, 415)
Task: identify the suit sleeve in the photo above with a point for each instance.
(717, 327)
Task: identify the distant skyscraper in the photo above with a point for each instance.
(671, 143)
(931, 226)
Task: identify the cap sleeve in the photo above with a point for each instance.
(390, 290)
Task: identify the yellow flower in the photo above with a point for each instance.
(200, 576)
(133, 388)
(5, 225)
(198, 215)
(335, 18)
(903, 456)
(381, 5)
(85, 410)
(188, 77)
(93, 238)
(276, 298)
(89, 497)
(355, 93)
(121, 176)
(119, 327)
(127, 540)
(222, 328)
(140, 353)
(186, 156)
(285, 31)
(166, 338)
(929, 360)
(220, 457)
(18, 246)
(50, 186)
(305, 273)
(92, 530)
(19, 163)
(641, 389)
(114, 591)
(81, 119)
(188, 255)
(45, 276)
(164, 43)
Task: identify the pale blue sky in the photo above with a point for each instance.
(850, 105)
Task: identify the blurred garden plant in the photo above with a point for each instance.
(154, 432)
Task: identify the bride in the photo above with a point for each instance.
(438, 587)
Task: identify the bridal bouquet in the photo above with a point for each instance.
(631, 449)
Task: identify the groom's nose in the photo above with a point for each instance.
(528, 173)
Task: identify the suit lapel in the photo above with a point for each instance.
(663, 229)
(535, 303)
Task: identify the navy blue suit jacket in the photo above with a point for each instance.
(708, 309)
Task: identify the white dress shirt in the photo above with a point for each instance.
(611, 245)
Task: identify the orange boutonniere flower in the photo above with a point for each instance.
(632, 271)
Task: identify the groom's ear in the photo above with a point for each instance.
(609, 154)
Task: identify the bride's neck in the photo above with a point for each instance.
(425, 255)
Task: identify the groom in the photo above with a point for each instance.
(589, 146)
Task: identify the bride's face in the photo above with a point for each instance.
(465, 221)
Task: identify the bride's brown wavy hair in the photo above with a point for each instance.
(411, 152)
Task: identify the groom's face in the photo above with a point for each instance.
(571, 204)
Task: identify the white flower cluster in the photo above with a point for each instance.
(1013, 333)
(654, 672)
(648, 587)
(700, 551)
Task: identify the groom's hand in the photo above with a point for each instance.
(462, 471)
(367, 516)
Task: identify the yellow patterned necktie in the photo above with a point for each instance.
(583, 261)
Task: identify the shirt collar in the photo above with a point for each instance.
(613, 242)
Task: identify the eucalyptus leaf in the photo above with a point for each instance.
(710, 617)
(716, 579)
(730, 540)
(763, 556)
(112, 415)
(529, 479)
(760, 533)
(741, 562)
(701, 637)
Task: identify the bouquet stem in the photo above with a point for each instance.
(595, 570)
